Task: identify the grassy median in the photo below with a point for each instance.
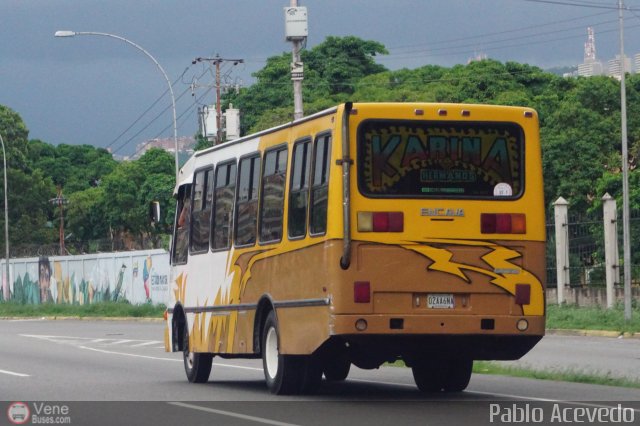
(575, 376)
(101, 309)
(576, 318)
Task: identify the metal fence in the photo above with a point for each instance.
(586, 249)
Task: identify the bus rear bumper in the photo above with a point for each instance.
(477, 337)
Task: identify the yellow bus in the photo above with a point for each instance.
(364, 234)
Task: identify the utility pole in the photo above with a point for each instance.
(296, 31)
(216, 61)
(626, 230)
(60, 201)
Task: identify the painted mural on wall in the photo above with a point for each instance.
(136, 277)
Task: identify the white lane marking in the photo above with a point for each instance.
(150, 342)
(503, 395)
(239, 367)
(119, 342)
(42, 336)
(232, 414)
(13, 373)
(27, 320)
(557, 401)
(131, 355)
(104, 341)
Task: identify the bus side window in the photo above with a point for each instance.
(247, 201)
(225, 189)
(202, 196)
(272, 199)
(299, 190)
(180, 240)
(320, 185)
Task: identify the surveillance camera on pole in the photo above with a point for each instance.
(296, 31)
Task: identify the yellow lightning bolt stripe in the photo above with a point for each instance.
(181, 287)
(497, 259)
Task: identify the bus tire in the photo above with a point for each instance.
(285, 374)
(458, 375)
(197, 366)
(312, 378)
(336, 370)
(430, 376)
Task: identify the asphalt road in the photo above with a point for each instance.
(117, 372)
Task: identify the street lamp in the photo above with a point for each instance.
(626, 225)
(6, 208)
(173, 99)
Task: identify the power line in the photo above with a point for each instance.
(146, 111)
(154, 119)
(190, 110)
(575, 3)
(514, 30)
(525, 36)
(149, 123)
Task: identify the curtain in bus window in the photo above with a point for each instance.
(247, 201)
(181, 226)
(440, 159)
(201, 211)
(223, 210)
(299, 192)
(320, 187)
(273, 180)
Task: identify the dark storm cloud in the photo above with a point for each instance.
(89, 89)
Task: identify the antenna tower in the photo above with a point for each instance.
(590, 46)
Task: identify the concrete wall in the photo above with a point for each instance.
(590, 296)
(135, 276)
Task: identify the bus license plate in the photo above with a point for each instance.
(440, 301)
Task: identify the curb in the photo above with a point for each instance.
(63, 318)
(593, 333)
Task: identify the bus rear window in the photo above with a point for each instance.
(421, 159)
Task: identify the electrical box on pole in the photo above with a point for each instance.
(296, 31)
(295, 23)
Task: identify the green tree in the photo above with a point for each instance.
(129, 189)
(72, 167)
(332, 70)
(28, 190)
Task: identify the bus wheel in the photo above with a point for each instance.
(430, 376)
(196, 365)
(336, 370)
(458, 375)
(286, 374)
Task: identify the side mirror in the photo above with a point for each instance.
(154, 211)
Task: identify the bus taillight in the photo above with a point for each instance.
(503, 223)
(523, 294)
(380, 222)
(362, 292)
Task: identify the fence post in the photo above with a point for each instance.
(561, 214)
(611, 257)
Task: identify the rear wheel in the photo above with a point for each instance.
(336, 370)
(286, 374)
(429, 376)
(197, 366)
(451, 375)
(458, 375)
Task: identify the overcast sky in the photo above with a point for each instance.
(92, 89)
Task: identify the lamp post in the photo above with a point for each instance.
(6, 208)
(173, 99)
(626, 225)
